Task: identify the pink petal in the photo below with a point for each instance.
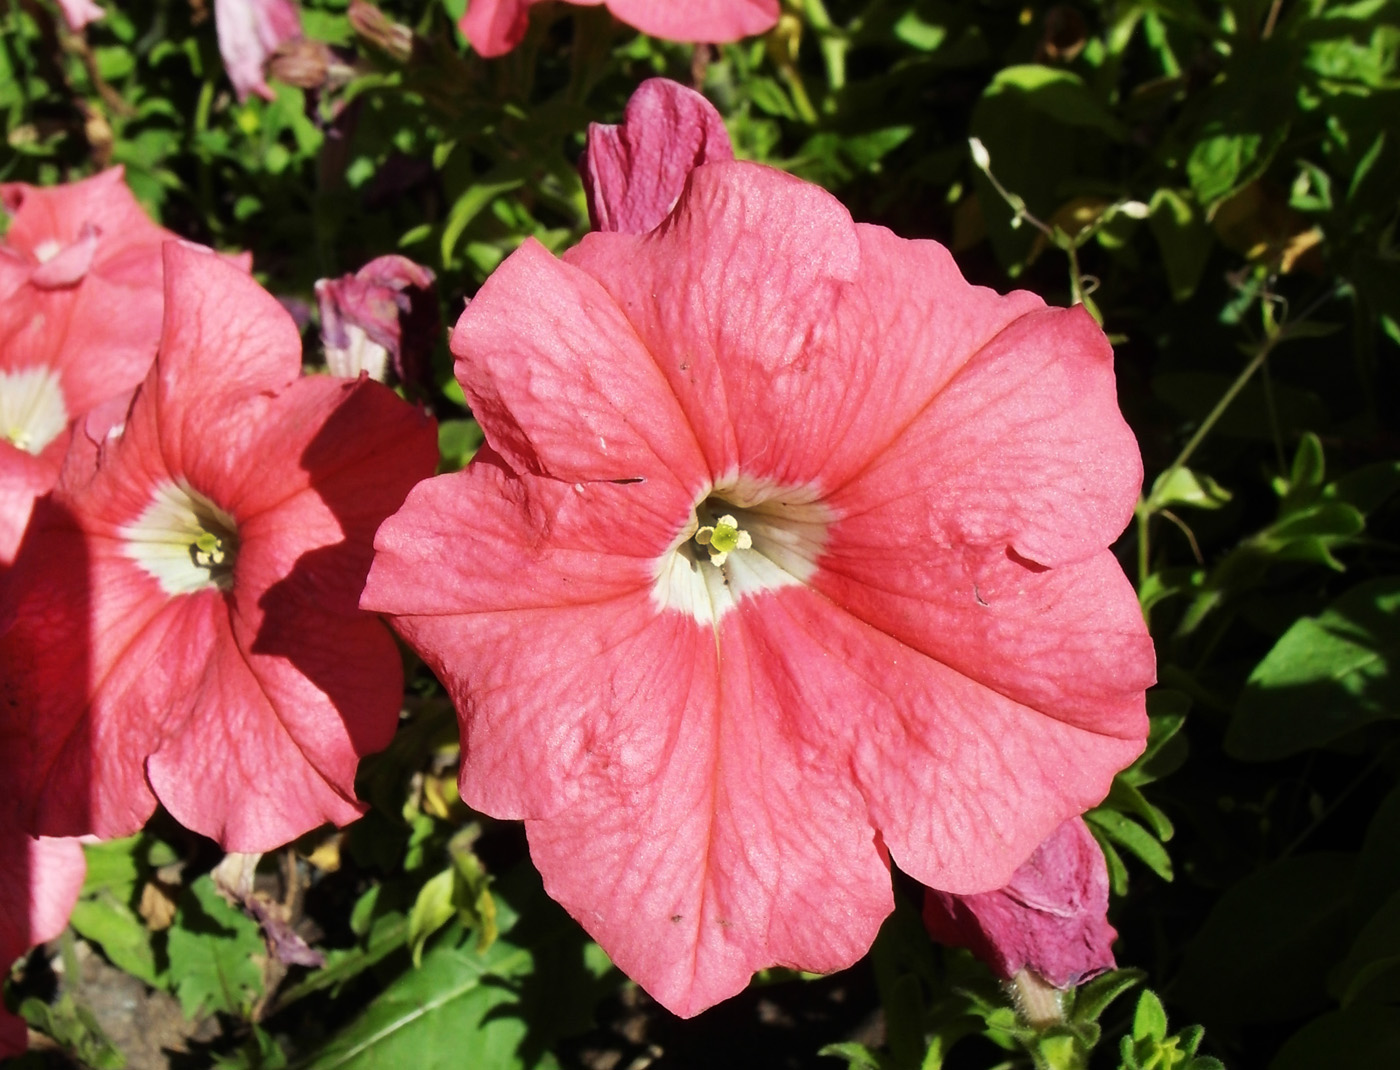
(494, 27)
(23, 478)
(70, 265)
(712, 21)
(634, 173)
(729, 298)
(249, 32)
(78, 13)
(1024, 446)
(566, 365)
(39, 883)
(1050, 918)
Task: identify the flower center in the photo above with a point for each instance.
(32, 412)
(756, 537)
(183, 540)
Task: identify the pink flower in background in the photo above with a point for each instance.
(384, 317)
(1051, 918)
(80, 314)
(94, 231)
(787, 555)
(633, 173)
(181, 623)
(494, 27)
(249, 32)
(39, 883)
(78, 13)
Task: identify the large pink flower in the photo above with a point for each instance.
(494, 27)
(181, 623)
(80, 313)
(788, 549)
(39, 883)
(1051, 918)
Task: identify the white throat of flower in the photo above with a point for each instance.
(744, 537)
(183, 540)
(32, 412)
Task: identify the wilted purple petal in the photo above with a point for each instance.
(634, 172)
(1051, 918)
(385, 315)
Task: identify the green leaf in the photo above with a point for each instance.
(497, 1010)
(432, 909)
(110, 923)
(857, 1056)
(1371, 971)
(1185, 487)
(1094, 997)
(1133, 838)
(1327, 676)
(1263, 953)
(1184, 238)
(470, 204)
(1057, 93)
(1149, 1020)
(1378, 871)
(215, 954)
(1358, 1038)
(458, 441)
(75, 1027)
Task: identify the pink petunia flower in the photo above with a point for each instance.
(249, 32)
(383, 318)
(39, 883)
(494, 27)
(80, 312)
(181, 622)
(1051, 918)
(787, 555)
(633, 173)
(78, 13)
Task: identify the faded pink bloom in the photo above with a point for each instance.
(39, 883)
(494, 27)
(1051, 917)
(78, 13)
(383, 317)
(93, 229)
(181, 622)
(788, 549)
(249, 32)
(633, 173)
(80, 313)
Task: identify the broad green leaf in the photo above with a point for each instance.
(1358, 1038)
(1327, 676)
(1378, 871)
(1371, 971)
(1057, 93)
(216, 954)
(115, 927)
(1183, 236)
(497, 1010)
(1264, 952)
